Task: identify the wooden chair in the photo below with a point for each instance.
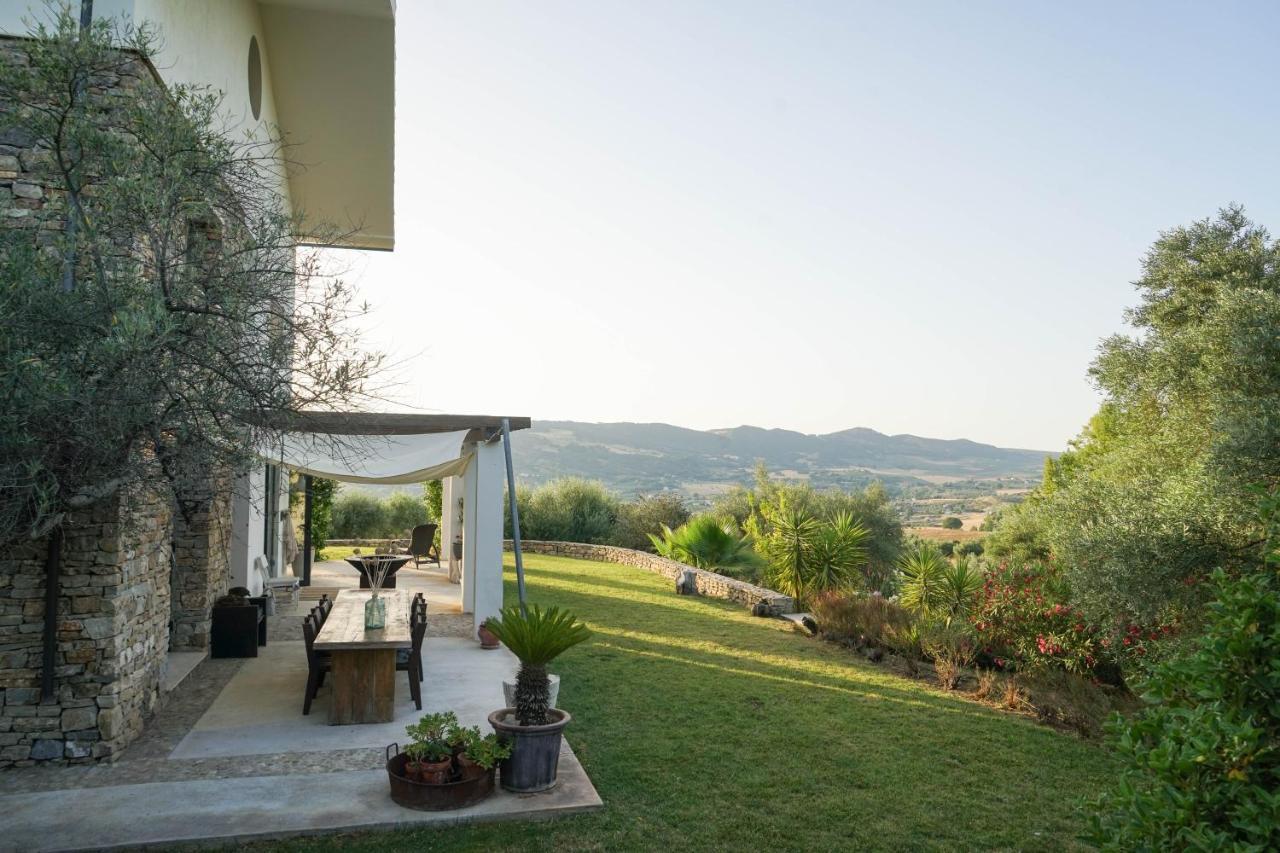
(413, 664)
(422, 544)
(318, 663)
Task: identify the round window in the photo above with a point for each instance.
(255, 77)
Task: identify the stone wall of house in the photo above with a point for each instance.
(112, 637)
(201, 562)
(705, 582)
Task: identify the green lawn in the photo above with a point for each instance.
(705, 728)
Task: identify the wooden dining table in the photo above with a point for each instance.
(364, 660)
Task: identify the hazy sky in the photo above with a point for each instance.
(916, 217)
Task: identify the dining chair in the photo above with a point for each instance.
(318, 663)
(412, 666)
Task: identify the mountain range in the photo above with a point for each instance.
(635, 458)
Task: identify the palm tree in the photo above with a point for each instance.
(707, 542)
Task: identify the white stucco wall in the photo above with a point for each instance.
(199, 43)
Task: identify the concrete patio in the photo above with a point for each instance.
(230, 757)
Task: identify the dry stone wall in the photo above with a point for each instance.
(201, 562)
(112, 633)
(705, 582)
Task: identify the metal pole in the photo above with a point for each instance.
(515, 513)
(306, 530)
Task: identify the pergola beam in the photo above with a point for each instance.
(386, 423)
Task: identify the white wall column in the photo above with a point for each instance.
(451, 525)
(482, 533)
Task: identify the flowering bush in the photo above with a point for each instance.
(1023, 620)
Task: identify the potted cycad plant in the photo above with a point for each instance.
(532, 729)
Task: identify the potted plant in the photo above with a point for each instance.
(532, 729)
(480, 753)
(488, 639)
(431, 751)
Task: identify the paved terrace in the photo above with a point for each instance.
(230, 757)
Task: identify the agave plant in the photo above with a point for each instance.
(536, 637)
(707, 542)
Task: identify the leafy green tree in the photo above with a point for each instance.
(359, 516)
(158, 312)
(1203, 762)
(1155, 493)
(707, 542)
(404, 512)
(648, 515)
(567, 510)
(951, 522)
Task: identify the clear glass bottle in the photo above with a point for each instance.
(375, 612)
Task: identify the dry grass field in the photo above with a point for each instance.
(942, 534)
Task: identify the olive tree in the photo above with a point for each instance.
(159, 310)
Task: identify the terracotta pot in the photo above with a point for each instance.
(413, 771)
(488, 640)
(468, 768)
(437, 772)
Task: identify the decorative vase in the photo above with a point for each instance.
(375, 612)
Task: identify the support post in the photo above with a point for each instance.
(306, 530)
(482, 534)
(515, 514)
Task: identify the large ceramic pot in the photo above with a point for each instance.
(535, 750)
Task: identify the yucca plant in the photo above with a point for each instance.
(536, 637)
(923, 580)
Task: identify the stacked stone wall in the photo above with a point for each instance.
(112, 633)
(201, 562)
(705, 582)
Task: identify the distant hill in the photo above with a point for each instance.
(635, 458)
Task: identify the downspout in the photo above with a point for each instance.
(515, 514)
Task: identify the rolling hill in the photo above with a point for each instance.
(634, 458)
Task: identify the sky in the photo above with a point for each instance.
(915, 217)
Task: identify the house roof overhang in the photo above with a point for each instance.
(333, 79)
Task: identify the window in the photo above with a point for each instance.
(255, 77)
(271, 516)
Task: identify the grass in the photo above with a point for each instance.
(943, 534)
(705, 728)
(341, 552)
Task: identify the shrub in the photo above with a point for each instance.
(1023, 619)
(404, 512)
(568, 510)
(359, 516)
(937, 589)
(647, 515)
(806, 553)
(952, 649)
(1204, 767)
(952, 523)
(859, 619)
(711, 543)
